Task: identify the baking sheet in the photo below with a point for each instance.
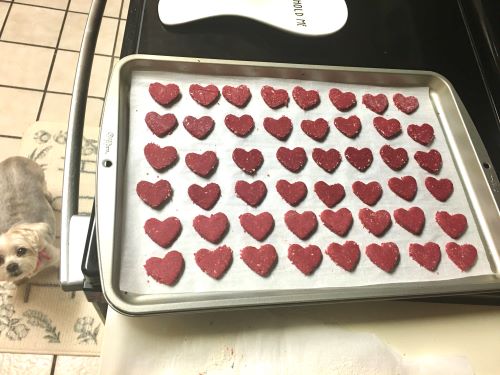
(137, 247)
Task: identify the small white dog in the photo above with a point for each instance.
(27, 221)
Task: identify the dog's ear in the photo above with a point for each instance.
(37, 234)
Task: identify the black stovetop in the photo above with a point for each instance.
(450, 37)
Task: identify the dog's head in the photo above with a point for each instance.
(20, 247)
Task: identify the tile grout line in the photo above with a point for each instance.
(5, 20)
(53, 367)
(10, 136)
(48, 91)
(113, 52)
(52, 48)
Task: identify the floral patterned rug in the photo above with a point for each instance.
(38, 317)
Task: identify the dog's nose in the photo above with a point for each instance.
(13, 267)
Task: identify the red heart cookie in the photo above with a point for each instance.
(395, 158)
(199, 128)
(377, 222)
(464, 256)
(440, 189)
(262, 260)
(165, 232)
(302, 225)
(258, 226)
(212, 228)
(166, 270)
(343, 101)
(248, 161)
(280, 128)
(160, 158)
(305, 259)
(385, 256)
(376, 103)
(453, 225)
(238, 96)
(368, 193)
(161, 125)
(253, 194)
(205, 197)
(387, 128)
(203, 165)
(428, 255)
(205, 96)
(405, 187)
(330, 195)
(293, 160)
(423, 134)
(360, 159)
(317, 129)
(154, 194)
(328, 160)
(216, 262)
(305, 99)
(350, 126)
(164, 94)
(406, 104)
(346, 255)
(412, 220)
(241, 126)
(339, 222)
(274, 98)
(292, 193)
(430, 161)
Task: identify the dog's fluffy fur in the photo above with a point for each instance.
(27, 222)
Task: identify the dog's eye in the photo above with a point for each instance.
(2, 260)
(21, 251)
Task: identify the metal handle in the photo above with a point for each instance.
(71, 176)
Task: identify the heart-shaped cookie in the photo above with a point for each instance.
(253, 194)
(274, 98)
(376, 103)
(453, 225)
(423, 134)
(328, 160)
(165, 232)
(212, 228)
(293, 160)
(317, 129)
(387, 128)
(302, 225)
(361, 159)
(412, 220)
(261, 260)
(405, 187)
(204, 95)
(346, 255)
(294, 193)
(343, 101)
(406, 104)
(166, 270)
(248, 161)
(160, 158)
(202, 164)
(395, 158)
(330, 195)
(350, 126)
(155, 194)
(369, 193)
(339, 222)
(164, 94)
(376, 222)
(238, 96)
(305, 99)
(385, 256)
(428, 255)
(306, 259)
(241, 126)
(258, 226)
(430, 161)
(199, 127)
(216, 262)
(205, 197)
(440, 189)
(161, 125)
(278, 128)
(464, 256)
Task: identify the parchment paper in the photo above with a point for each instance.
(138, 247)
